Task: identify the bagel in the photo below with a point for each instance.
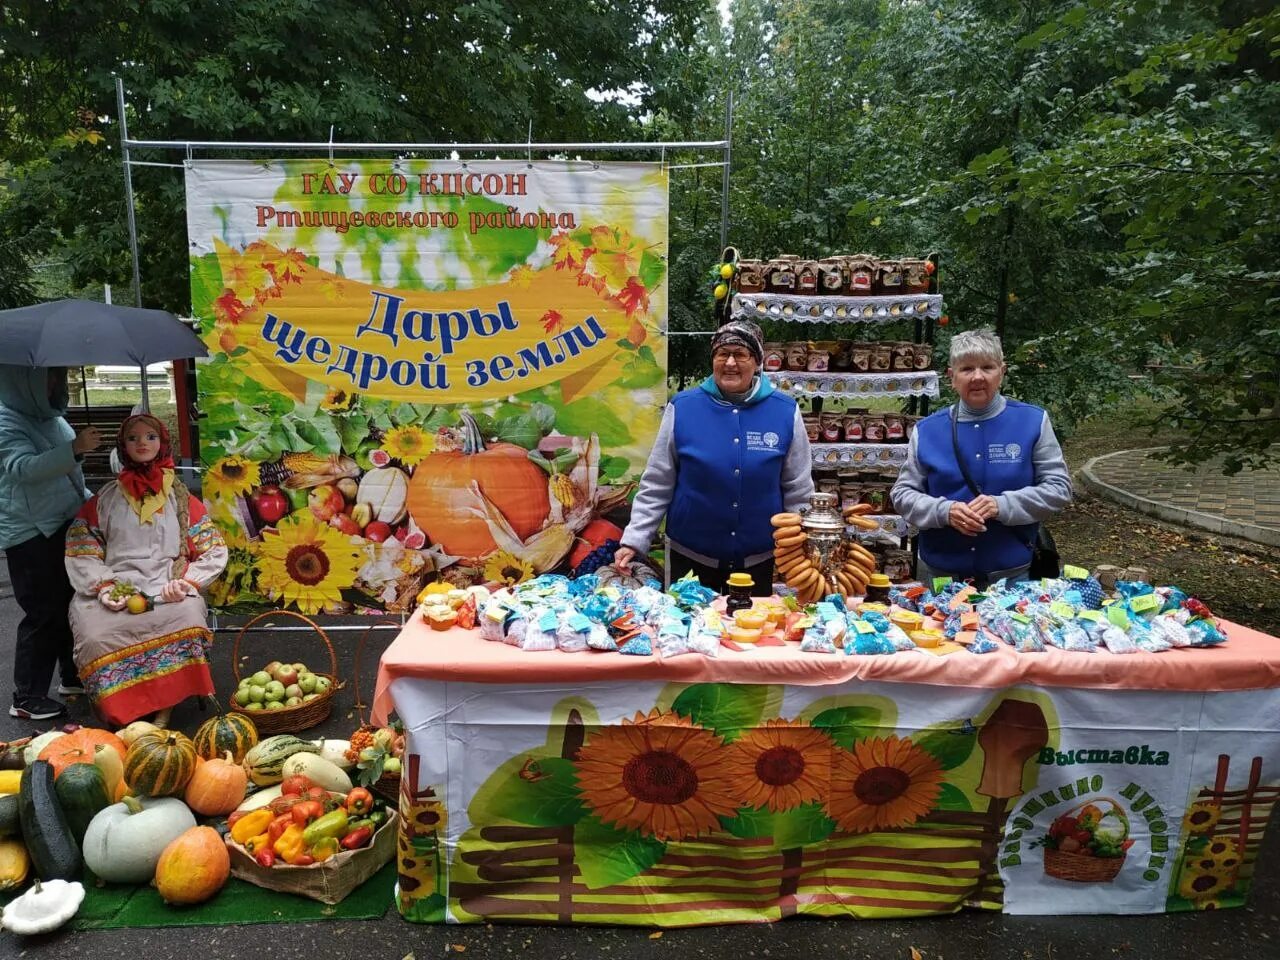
(783, 532)
(858, 510)
(791, 541)
(862, 523)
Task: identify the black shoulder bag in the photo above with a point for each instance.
(1045, 561)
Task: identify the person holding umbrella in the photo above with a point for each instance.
(41, 490)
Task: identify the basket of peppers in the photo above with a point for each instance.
(312, 841)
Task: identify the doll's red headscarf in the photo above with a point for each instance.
(142, 480)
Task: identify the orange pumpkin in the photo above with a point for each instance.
(78, 747)
(439, 493)
(216, 787)
(193, 867)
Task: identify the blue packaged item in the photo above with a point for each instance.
(1204, 634)
(816, 639)
(598, 638)
(583, 586)
(1071, 636)
(638, 646)
(1128, 589)
(879, 622)
(1173, 598)
(867, 644)
(837, 601)
(898, 639)
(1171, 630)
(598, 607)
(1140, 633)
(690, 593)
(984, 644)
(899, 598)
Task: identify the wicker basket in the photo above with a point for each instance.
(1081, 869)
(386, 786)
(304, 715)
(1086, 869)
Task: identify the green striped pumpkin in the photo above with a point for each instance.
(232, 733)
(159, 764)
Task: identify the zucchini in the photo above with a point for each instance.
(9, 825)
(53, 849)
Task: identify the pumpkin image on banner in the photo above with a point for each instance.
(443, 503)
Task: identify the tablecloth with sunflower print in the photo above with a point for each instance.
(767, 783)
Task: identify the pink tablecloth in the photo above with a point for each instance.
(1248, 661)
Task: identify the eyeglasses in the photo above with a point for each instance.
(737, 356)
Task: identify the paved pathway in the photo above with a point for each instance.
(1245, 505)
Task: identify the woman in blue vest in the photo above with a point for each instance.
(1013, 460)
(731, 452)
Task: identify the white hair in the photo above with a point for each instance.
(983, 344)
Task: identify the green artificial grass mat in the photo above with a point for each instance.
(239, 902)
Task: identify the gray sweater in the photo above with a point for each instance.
(1047, 496)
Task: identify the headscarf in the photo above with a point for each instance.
(741, 333)
(145, 485)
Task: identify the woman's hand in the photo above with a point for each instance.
(173, 591)
(104, 598)
(985, 506)
(622, 559)
(86, 441)
(964, 519)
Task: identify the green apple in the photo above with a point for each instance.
(274, 691)
(256, 693)
(293, 701)
(244, 682)
(310, 696)
(273, 705)
(391, 765)
(301, 667)
(253, 706)
(293, 691)
(261, 678)
(322, 684)
(307, 682)
(242, 696)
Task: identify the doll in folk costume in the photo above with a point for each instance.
(143, 543)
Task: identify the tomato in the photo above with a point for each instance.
(297, 784)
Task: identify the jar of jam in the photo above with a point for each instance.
(889, 281)
(915, 276)
(878, 589)
(831, 276)
(780, 274)
(861, 272)
(807, 278)
(750, 276)
(738, 595)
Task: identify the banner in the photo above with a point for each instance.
(685, 804)
(421, 368)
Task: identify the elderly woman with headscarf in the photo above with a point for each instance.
(144, 535)
(730, 453)
(982, 474)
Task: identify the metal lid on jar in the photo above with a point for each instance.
(878, 580)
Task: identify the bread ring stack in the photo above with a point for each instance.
(791, 559)
(855, 516)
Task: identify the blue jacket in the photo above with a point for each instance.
(718, 471)
(41, 484)
(998, 453)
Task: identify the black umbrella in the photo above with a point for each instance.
(73, 333)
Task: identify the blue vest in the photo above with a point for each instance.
(728, 473)
(998, 454)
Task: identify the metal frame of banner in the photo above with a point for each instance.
(526, 147)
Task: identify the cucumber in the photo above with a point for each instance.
(53, 849)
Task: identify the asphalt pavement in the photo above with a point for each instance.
(1251, 933)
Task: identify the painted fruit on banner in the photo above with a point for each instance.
(421, 370)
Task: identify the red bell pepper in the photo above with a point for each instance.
(266, 857)
(357, 838)
(359, 802)
(297, 784)
(234, 817)
(278, 826)
(306, 811)
(315, 793)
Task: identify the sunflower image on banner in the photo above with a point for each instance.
(422, 369)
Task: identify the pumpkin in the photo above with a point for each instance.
(217, 786)
(124, 841)
(159, 764)
(440, 494)
(15, 864)
(232, 732)
(81, 792)
(78, 748)
(193, 867)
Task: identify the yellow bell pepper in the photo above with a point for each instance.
(290, 845)
(251, 824)
(254, 844)
(324, 848)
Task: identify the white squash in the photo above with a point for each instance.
(32, 749)
(335, 751)
(260, 798)
(134, 730)
(124, 841)
(319, 771)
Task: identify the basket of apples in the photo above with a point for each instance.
(284, 697)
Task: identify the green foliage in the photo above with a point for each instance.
(788, 828)
(546, 797)
(847, 725)
(607, 856)
(726, 708)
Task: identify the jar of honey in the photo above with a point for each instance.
(878, 589)
(739, 586)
